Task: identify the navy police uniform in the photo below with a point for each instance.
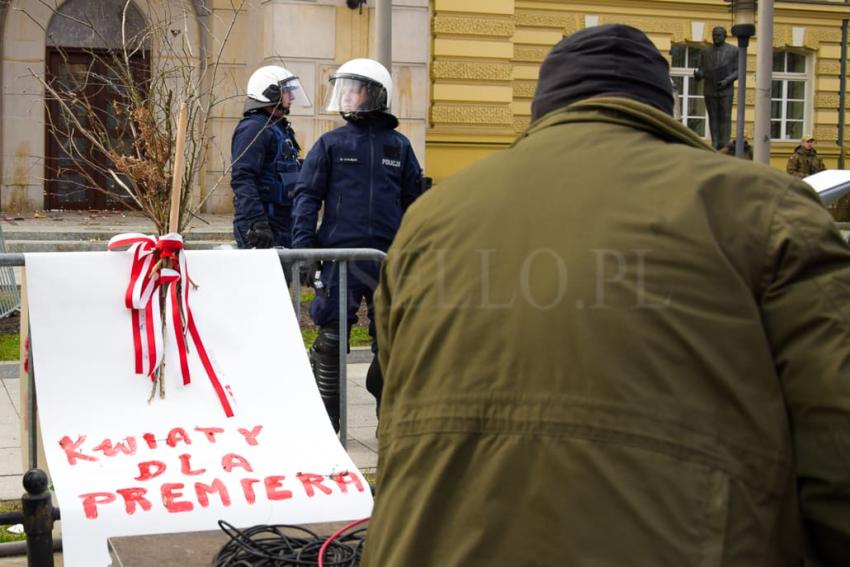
(265, 168)
(366, 175)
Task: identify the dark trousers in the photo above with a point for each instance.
(324, 310)
(719, 119)
(362, 281)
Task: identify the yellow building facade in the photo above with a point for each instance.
(486, 55)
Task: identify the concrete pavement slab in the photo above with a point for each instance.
(10, 461)
(10, 369)
(55, 231)
(11, 392)
(84, 222)
(365, 458)
(358, 395)
(356, 372)
(10, 435)
(363, 417)
(11, 487)
(365, 436)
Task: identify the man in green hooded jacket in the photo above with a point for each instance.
(597, 359)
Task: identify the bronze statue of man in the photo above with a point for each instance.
(719, 67)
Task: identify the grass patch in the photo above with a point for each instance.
(359, 336)
(5, 534)
(309, 336)
(10, 347)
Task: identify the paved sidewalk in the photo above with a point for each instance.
(10, 435)
(67, 231)
(55, 222)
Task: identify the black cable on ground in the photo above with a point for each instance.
(268, 546)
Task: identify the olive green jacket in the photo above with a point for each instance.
(592, 358)
(803, 162)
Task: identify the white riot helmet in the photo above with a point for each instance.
(266, 85)
(360, 85)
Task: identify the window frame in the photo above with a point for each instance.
(687, 74)
(807, 77)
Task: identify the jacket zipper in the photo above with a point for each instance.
(336, 218)
(371, 178)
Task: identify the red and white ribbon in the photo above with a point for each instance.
(142, 299)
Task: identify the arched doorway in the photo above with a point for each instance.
(86, 42)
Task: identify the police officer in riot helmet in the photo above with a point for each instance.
(265, 162)
(365, 174)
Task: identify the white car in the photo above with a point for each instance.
(830, 184)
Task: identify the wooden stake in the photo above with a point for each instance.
(177, 176)
(173, 225)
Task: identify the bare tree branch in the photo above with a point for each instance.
(130, 141)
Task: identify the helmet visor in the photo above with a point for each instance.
(292, 87)
(355, 95)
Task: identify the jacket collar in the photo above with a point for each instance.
(377, 119)
(259, 113)
(616, 110)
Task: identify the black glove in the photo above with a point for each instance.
(260, 235)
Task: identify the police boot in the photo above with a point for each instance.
(324, 358)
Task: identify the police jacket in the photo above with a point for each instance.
(265, 161)
(366, 174)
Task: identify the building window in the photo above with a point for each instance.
(789, 95)
(688, 90)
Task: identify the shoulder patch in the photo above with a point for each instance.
(392, 156)
(392, 152)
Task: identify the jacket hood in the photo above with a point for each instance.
(610, 60)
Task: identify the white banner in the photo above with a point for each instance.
(123, 466)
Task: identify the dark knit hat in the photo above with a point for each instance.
(609, 60)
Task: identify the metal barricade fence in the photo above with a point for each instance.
(10, 297)
(342, 256)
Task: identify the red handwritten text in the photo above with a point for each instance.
(175, 497)
(75, 451)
